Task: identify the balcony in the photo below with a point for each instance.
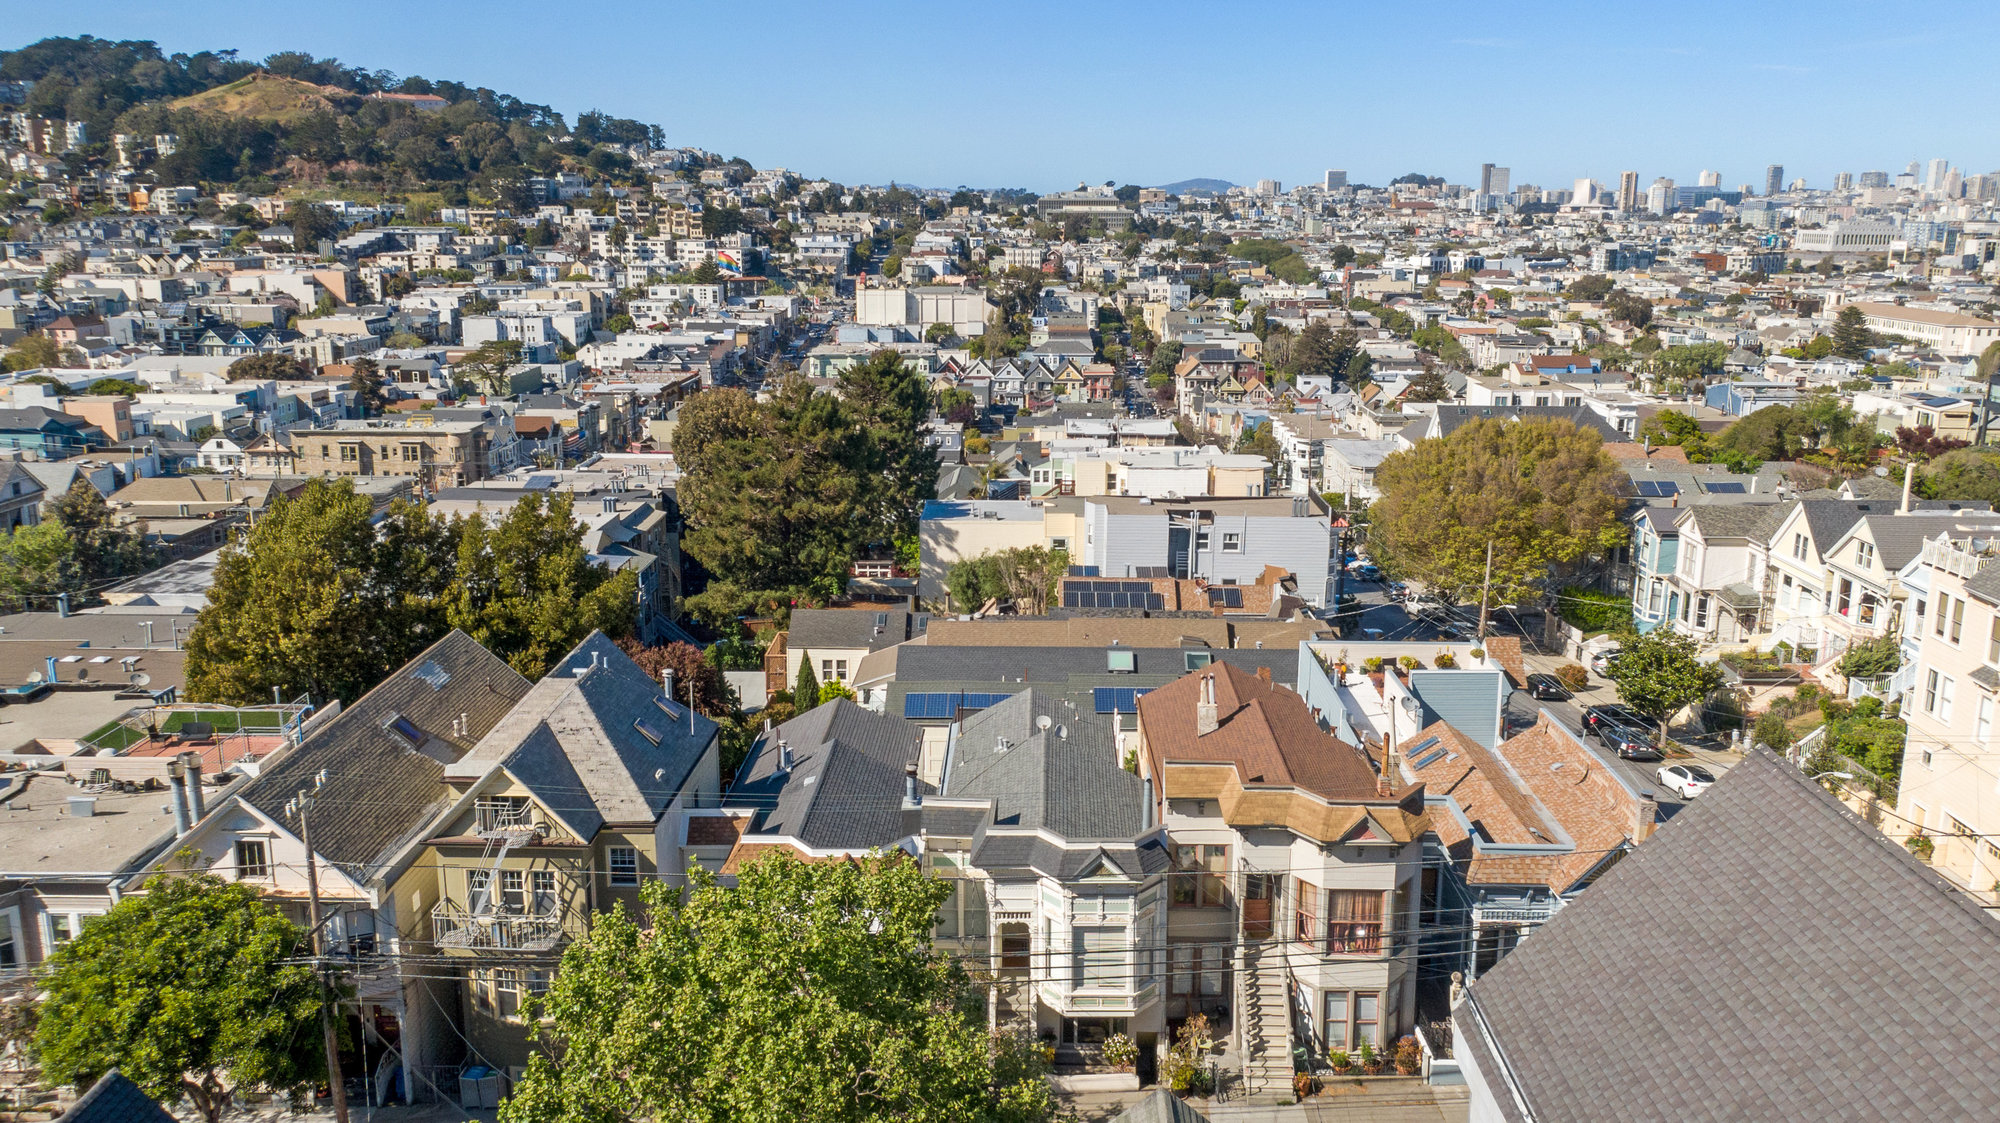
(455, 927)
(1960, 559)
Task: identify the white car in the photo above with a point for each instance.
(1602, 661)
(1686, 780)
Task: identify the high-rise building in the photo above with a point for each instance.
(1774, 179)
(1585, 192)
(1874, 179)
(1954, 184)
(1493, 179)
(1628, 191)
(1934, 176)
(1267, 188)
(1709, 179)
(1843, 181)
(1660, 195)
(1335, 180)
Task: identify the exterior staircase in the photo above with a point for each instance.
(1264, 1020)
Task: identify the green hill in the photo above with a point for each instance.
(264, 96)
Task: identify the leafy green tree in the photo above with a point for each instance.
(311, 224)
(527, 591)
(1631, 308)
(1658, 675)
(619, 324)
(1671, 427)
(1166, 356)
(189, 989)
(888, 399)
(1595, 286)
(31, 351)
(269, 365)
(103, 550)
(830, 961)
(37, 563)
(1543, 492)
(1430, 386)
(708, 272)
(370, 390)
(486, 366)
(1851, 337)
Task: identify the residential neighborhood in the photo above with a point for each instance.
(507, 613)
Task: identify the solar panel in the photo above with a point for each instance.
(1104, 599)
(1121, 699)
(1156, 601)
(1137, 587)
(1232, 598)
(1724, 489)
(1072, 599)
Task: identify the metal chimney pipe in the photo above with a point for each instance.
(1909, 478)
(176, 776)
(910, 795)
(196, 804)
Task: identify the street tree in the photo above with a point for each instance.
(1541, 493)
(190, 989)
(368, 386)
(485, 367)
(275, 366)
(1658, 675)
(32, 351)
(1851, 337)
(828, 960)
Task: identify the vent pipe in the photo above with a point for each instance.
(196, 807)
(176, 781)
(1909, 478)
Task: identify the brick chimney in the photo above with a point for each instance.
(1264, 676)
(1645, 816)
(1206, 720)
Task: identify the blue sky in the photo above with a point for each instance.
(1041, 95)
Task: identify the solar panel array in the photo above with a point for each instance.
(1730, 488)
(1083, 571)
(1111, 594)
(1118, 699)
(944, 705)
(1657, 489)
(1226, 597)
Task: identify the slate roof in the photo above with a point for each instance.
(115, 1099)
(1756, 523)
(575, 742)
(1448, 418)
(1766, 955)
(845, 788)
(379, 788)
(1066, 778)
(1898, 538)
(852, 628)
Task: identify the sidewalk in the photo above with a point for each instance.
(1395, 1102)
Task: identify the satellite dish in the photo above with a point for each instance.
(34, 676)
(1881, 469)
(1044, 722)
(140, 678)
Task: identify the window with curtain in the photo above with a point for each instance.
(1102, 957)
(1305, 925)
(1199, 877)
(1354, 922)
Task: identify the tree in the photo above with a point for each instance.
(31, 351)
(707, 273)
(1430, 386)
(103, 551)
(1923, 443)
(311, 224)
(487, 365)
(183, 987)
(829, 960)
(1851, 337)
(1972, 473)
(1633, 309)
(1166, 356)
(888, 400)
(1595, 286)
(1671, 427)
(274, 366)
(713, 696)
(37, 563)
(1657, 674)
(938, 333)
(805, 691)
(526, 590)
(369, 388)
(1543, 492)
(1027, 575)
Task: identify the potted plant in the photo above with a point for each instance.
(1121, 1052)
(1340, 1061)
(1445, 661)
(1409, 1055)
(1921, 846)
(1371, 1061)
(1372, 665)
(1478, 653)
(1409, 663)
(1302, 1084)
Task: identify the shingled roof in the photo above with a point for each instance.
(1268, 733)
(1767, 955)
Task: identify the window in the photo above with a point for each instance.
(1799, 546)
(476, 883)
(1201, 539)
(1102, 957)
(1701, 611)
(1232, 542)
(1864, 554)
(1354, 922)
(1200, 880)
(543, 885)
(1653, 599)
(1943, 606)
(513, 890)
(833, 670)
(1844, 599)
(647, 730)
(1351, 1018)
(624, 865)
(10, 941)
(252, 861)
(1982, 720)
(507, 992)
(1945, 687)
(1305, 920)
(538, 982)
(1958, 828)
(1930, 690)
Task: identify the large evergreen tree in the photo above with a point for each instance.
(1851, 337)
(527, 591)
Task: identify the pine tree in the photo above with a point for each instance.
(805, 693)
(1851, 337)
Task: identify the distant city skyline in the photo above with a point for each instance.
(858, 93)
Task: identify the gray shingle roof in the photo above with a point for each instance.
(852, 627)
(380, 789)
(115, 1099)
(845, 788)
(575, 741)
(1767, 955)
(1066, 778)
(1756, 523)
(1450, 417)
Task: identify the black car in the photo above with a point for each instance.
(1597, 717)
(1547, 688)
(1632, 742)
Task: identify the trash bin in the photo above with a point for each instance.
(478, 1086)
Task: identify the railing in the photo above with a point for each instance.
(455, 927)
(1949, 557)
(498, 817)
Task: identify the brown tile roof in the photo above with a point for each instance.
(716, 830)
(1267, 732)
(1631, 450)
(1506, 650)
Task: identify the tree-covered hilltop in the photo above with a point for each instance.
(297, 117)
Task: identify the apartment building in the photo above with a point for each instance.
(439, 453)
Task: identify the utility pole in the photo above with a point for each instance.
(1485, 591)
(1985, 408)
(333, 1079)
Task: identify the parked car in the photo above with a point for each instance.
(1367, 571)
(1632, 742)
(1686, 780)
(1597, 717)
(1602, 661)
(1546, 688)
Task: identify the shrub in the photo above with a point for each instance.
(1409, 663)
(1772, 730)
(1573, 676)
(1873, 658)
(1120, 1051)
(1372, 665)
(1594, 611)
(1409, 1055)
(1339, 1059)
(1445, 661)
